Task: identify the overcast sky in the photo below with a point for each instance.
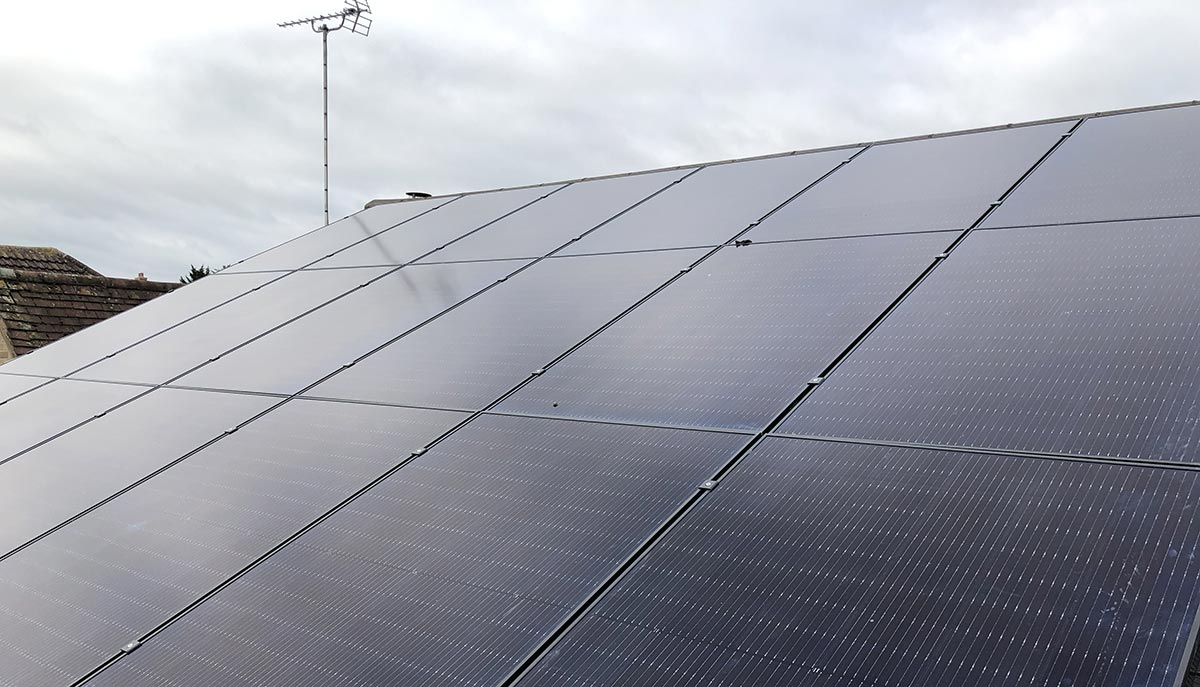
(174, 133)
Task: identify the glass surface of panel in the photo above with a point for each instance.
(76, 596)
(109, 336)
(174, 352)
(40, 414)
(733, 341)
(12, 385)
(348, 328)
(436, 229)
(1142, 164)
(558, 218)
(867, 565)
(946, 182)
(329, 239)
(64, 477)
(448, 572)
(711, 206)
(473, 355)
(1072, 339)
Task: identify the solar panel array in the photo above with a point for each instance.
(922, 412)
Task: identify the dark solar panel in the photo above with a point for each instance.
(300, 353)
(471, 356)
(712, 205)
(1074, 339)
(109, 336)
(937, 183)
(732, 342)
(62, 478)
(865, 565)
(180, 349)
(40, 414)
(1145, 164)
(449, 571)
(436, 229)
(78, 595)
(334, 237)
(555, 220)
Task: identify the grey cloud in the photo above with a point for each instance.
(211, 150)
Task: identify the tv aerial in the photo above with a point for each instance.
(355, 16)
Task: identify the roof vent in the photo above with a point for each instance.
(419, 194)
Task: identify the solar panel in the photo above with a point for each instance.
(12, 386)
(935, 183)
(431, 232)
(40, 414)
(472, 355)
(339, 333)
(712, 205)
(868, 565)
(730, 343)
(321, 243)
(559, 218)
(450, 570)
(1072, 339)
(64, 477)
(1116, 167)
(110, 336)
(75, 597)
(208, 336)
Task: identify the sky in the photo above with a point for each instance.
(169, 134)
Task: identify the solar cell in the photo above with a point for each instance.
(336, 236)
(712, 205)
(432, 231)
(849, 565)
(555, 220)
(40, 414)
(449, 571)
(75, 597)
(178, 350)
(62, 478)
(1070, 339)
(945, 182)
(340, 332)
(104, 338)
(732, 342)
(476, 353)
(1145, 164)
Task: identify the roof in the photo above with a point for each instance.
(42, 259)
(38, 307)
(918, 412)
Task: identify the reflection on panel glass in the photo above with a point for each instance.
(34, 417)
(711, 206)
(1144, 164)
(732, 342)
(866, 565)
(348, 328)
(928, 184)
(105, 338)
(558, 218)
(75, 597)
(334, 237)
(62, 478)
(1076, 339)
(474, 354)
(197, 341)
(434, 230)
(449, 571)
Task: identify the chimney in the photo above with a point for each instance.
(142, 276)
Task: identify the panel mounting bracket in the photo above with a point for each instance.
(709, 485)
(131, 647)
(816, 380)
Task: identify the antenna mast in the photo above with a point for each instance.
(354, 16)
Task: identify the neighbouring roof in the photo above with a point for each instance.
(42, 259)
(40, 307)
